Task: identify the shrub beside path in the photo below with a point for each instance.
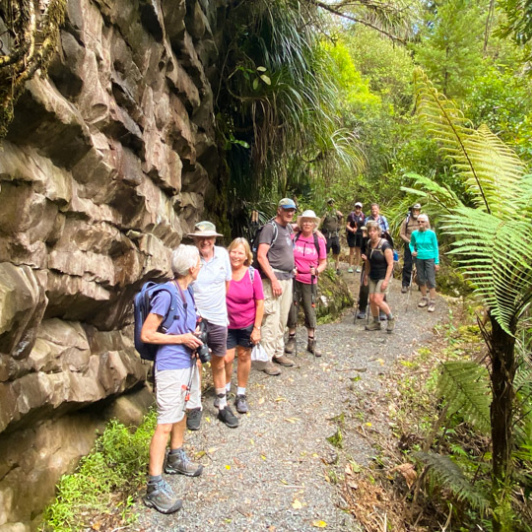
(278, 470)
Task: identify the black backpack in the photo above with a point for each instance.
(255, 241)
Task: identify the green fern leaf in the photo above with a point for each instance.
(446, 473)
(465, 387)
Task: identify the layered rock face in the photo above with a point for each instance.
(105, 167)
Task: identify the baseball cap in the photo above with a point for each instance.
(358, 204)
(416, 206)
(330, 200)
(287, 203)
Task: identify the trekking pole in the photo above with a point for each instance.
(313, 302)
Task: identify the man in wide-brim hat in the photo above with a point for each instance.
(210, 289)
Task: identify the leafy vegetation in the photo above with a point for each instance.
(102, 489)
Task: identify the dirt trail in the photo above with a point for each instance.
(277, 470)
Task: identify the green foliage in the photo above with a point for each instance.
(464, 385)
(450, 476)
(489, 238)
(450, 45)
(117, 465)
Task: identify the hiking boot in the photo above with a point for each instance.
(311, 347)
(180, 463)
(390, 326)
(226, 416)
(432, 306)
(241, 404)
(423, 303)
(290, 346)
(358, 270)
(160, 496)
(271, 369)
(194, 418)
(404, 289)
(349, 270)
(374, 325)
(283, 361)
(361, 315)
(338, 271)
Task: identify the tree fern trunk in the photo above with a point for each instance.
(502, 377)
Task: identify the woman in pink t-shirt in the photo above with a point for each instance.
(310, 256)
(245, 307)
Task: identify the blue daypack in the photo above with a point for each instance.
(142, 307)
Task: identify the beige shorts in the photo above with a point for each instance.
(171, 393)
(375, 287)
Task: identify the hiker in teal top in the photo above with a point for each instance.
(424, 248)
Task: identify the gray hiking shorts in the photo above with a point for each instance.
(426, 272)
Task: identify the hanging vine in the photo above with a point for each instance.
(29, 38)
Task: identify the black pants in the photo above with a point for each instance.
(408, 265)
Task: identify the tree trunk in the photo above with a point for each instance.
(502, 347)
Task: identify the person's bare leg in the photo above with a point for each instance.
(158, 448)
(243, 367)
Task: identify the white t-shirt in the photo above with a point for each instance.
(209, 287)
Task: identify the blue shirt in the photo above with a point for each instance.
(175, 356)
(382, 221)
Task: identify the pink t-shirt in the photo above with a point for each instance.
(241, 298)
(305, 257)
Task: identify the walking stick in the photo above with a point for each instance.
(313, 302)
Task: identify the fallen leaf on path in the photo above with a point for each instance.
(380, 361)
(297, 505)
(292, 419)
(228, 467)
(319, 524)
(261, 400)
(279, 399)
(251, 441)
(263, 457)
(212, 450)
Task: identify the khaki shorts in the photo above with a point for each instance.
(170, 390)
(375, 287)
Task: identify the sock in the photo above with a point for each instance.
(241, 391)
(222, 398)
(228, 387)
(154, 479)
(390, 316)
(290, 335)
(173, 452)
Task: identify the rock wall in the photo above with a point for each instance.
(105, 167)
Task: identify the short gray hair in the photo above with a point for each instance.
(183, 258)
(423, 217)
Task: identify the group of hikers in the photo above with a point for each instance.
(242, 299)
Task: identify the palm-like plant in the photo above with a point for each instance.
(493, 247)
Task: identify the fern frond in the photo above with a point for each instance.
(495, 254)
(491, 170)
(465, 387)
(446, 473)
(441, 195)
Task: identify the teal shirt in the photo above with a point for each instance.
(426, 245)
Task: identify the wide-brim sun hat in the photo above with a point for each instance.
(204, 229)
(308, 214)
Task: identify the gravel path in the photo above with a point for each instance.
(277, 471)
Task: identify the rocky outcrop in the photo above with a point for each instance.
(104, 168)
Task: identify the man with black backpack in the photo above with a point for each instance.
(176, 376)
(330, 227)
(275, 262)
(409, 225)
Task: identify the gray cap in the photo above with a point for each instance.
(416, 206)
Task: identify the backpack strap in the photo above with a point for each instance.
(251, 272)
(316, 241)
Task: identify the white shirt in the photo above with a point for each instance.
(209, 287)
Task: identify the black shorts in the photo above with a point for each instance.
(241, 337)
(333, 242)
(216, 338)
(354, 240)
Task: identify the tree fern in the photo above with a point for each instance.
(465, 387)
(446, 473)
